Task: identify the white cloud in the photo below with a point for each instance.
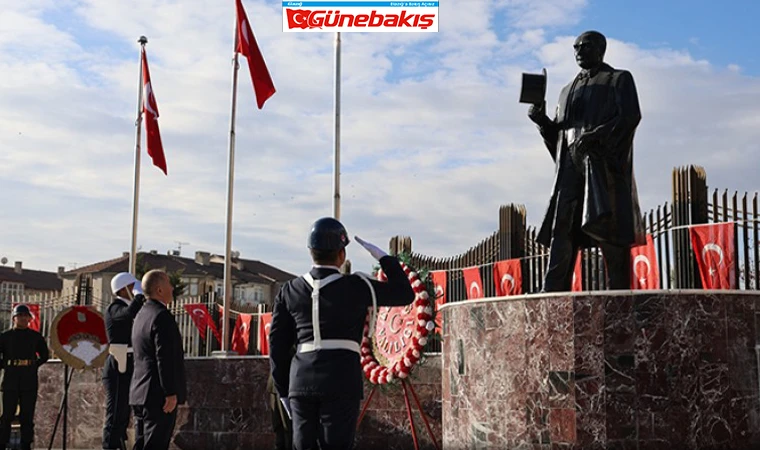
(433, 137)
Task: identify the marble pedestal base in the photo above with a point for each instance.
(625, 370)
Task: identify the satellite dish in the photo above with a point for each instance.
(4, 260)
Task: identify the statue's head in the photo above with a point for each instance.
(589, 49)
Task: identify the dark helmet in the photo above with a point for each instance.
(328, 234)
(21, 310)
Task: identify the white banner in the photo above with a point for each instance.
(359, 16)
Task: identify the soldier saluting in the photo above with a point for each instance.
(117, 372)
(323, 313)
(22, 352)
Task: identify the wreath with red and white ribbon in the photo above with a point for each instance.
(419, 315)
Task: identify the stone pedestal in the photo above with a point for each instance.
(228, 408)
(625, 370)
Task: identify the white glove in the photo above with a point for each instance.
(137, 289)
(286, 403)
(372, 249)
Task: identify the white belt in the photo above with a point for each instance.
(330, 344)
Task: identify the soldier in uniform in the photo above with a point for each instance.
(22, 352)
(282, 425)
(324, 312)
(117, 372)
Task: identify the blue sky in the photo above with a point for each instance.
(722, 32)
(424, 116)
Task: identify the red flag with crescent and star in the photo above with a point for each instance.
(265, 324)
(202, 319)
(714, 248)
(150, 112)
(577, 285)
(507, 277)
(263, 86)
(645, 273)
(473, 282)
(241, 337)
(439, 286)
(34, 308)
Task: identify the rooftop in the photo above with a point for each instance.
(204, 264)
(32, 279)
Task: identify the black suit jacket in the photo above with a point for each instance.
(159, 357)
(343, 309)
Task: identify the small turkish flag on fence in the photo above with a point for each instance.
(714, 248)
(473, 282)
(265, 323)
(439, 286)
(241, 337)
(202, 319)
(507, 277)
(645, 273)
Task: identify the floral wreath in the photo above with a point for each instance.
(378, 373)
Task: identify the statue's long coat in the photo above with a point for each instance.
(607, 105)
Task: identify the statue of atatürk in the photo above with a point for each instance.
(594, 200)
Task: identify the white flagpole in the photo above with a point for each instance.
(136, 187)
(336, 137)
(230, 182)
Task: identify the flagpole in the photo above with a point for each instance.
(336, 137)
(230, 182)
(136, 187)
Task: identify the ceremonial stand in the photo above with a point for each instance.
(405, 385)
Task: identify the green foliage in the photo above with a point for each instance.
(424, 275)
(175, 278)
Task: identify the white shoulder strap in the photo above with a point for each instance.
(315, 286)
(373, 310)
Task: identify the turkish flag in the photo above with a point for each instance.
(577, 285)
(202, 319)
(507, 277)
(714, 247)
(473, 282)
(439, 286)
(265, 324)
(150, 112)
(645, 273)
(263, 86)
(241, 337)
(34, 308)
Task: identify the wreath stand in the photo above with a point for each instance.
(421, 318)
(405, 385)
(63, 410)
(70, 362)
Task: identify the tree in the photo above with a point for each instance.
(175, 278)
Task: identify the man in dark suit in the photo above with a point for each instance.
(594, 200)
(158, 383)
(117, 371)
(324, 312)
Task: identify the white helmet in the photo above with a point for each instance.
(123, 280)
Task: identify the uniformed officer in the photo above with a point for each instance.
(324, 312)
(282, 425)
(22, 352)
(117, 372)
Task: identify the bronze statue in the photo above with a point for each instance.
(594, 200)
